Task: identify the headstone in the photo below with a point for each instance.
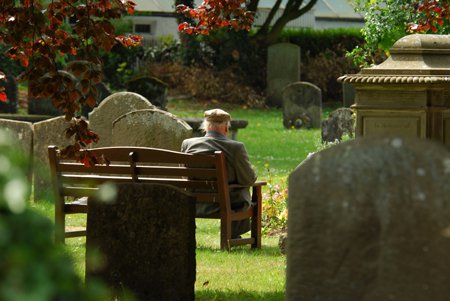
(338, 123)
(348, 93)
(114, 106)
(45, 133)
(42, 106)
(150, 128)
(45, 106)
(151, 88)
(22, 133)
(302, 105)
(369, 220)
(147, 241)
(283, 68)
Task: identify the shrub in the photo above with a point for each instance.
(206, 83)
(274, 206)
(334, 66)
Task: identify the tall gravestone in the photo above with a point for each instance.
(147, 241)
(117, 104)
(369, 220)
(302, 105)
(45, 133)
(283, 68)
(150, 128)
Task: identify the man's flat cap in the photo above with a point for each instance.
(217, 115)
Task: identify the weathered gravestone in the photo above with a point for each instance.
(151, 88)
(150, 128)
(338, 123)
(45, 133)
(283, 68)
(302, 105)
(369, 220)
(44, 106)
(22, 133)
(147, 240)
(112, 107)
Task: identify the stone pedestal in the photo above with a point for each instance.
(409, 93)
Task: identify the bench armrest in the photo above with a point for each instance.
(256, 184)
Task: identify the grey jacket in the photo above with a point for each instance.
(239, 169)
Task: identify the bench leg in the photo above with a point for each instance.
(60, 222)
(257, 217)
(225, 233)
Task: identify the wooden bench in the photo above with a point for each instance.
(205, 173)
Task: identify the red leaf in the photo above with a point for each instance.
(3, 96)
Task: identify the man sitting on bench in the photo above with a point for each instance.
(216, 125)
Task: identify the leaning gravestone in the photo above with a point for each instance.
(283, 68)
(150, 128)
(302, 105)
(112, 107)
(151, 88)
(45, 133)
(369, 220)
(147, 239)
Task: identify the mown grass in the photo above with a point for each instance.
(241, 274)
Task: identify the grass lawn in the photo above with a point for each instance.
(241, 274)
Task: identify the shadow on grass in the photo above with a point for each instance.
(264, 251)
(242, 295)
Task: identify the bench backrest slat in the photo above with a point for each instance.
(120, 169)
(199, 174)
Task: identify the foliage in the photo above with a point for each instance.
(227, 52)
(386, 21)
(214, 15)
(119, 65)
(40, 40)
(209, 85)
(274, 206)
(314, 41)
(335, 65)
(433, 16)
(32, 267)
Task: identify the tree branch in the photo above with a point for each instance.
(266, 25)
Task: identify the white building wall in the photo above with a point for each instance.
(159, 27)
(307, 20)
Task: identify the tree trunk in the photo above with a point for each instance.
(293, 10)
